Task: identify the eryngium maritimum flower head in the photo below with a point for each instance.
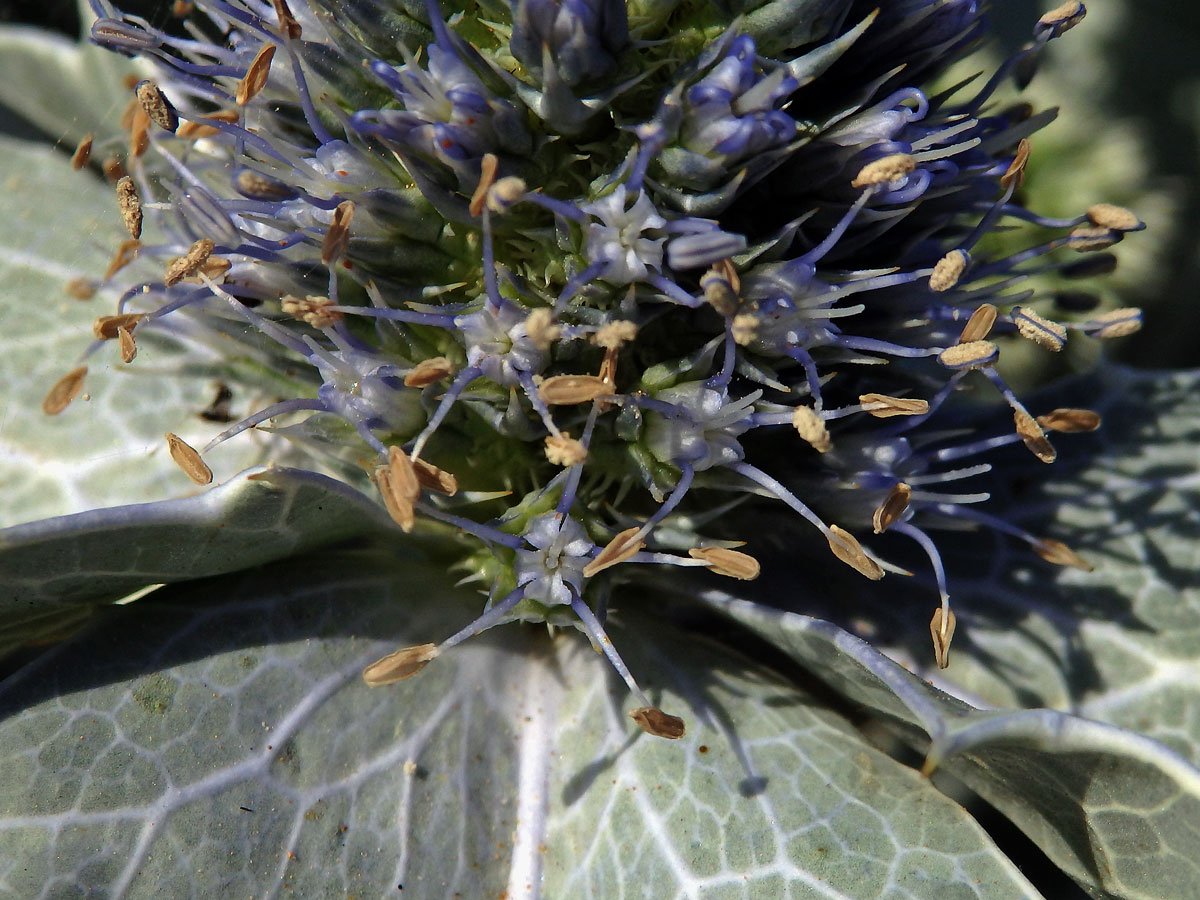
(549, 268)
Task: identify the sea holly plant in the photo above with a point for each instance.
(674, 331)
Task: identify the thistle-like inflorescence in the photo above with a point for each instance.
(550, 270)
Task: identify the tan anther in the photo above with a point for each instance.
(608, 372)
(846, 547)
(656, 722)
(80, 288)
(181, 9)
(188, 459)
(884, 170)
(1086, 238)
(139, 133)
(260, 187)
(745, 329)
(614, 334)
(942, 632)
(83, 152)
(564, 450)
(979, 326)
(182, 266)
(105, 328)
(311, 310)
(129, 112)
(1015, 173)
(113, 168)
(892, 507)
(1068, 15)
(969, 356)
(1070, 421)
(1043, 332)
(487, 177)
(64, 391)
(948, 270)
(721, 285)
(1033, 436)
(811, 427)
(194, 131)
(1108, 215)
(288, 25)
(155, 104)
(730, 563)
(337, 238)
(881, 406)
(619, 549)
(541, 329)
(504, 193)
(1060, 554)
(1117, 323)
(255, 78)
(565, 390)
(428, 371)
(127, 343)
(130, 205)
(432, 478)
(126, 253)
(399, 665)
(213, 268)
(398, 485)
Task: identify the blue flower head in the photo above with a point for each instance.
(550, 279)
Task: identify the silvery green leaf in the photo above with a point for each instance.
(1117, 811)
(107, 447)
(53, 571)
(66, 89)
(217, 737)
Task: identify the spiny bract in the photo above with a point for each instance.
(549, 268)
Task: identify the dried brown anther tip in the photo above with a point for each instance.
(130, 205)
(399, 487)
(80, 288)
(288, 25)
(979, 326)
(428, 371)
(399, 665)
(154, 103)
(126, 253)
(1033, 436)
(1070, 421)
(1016, 170)
(730, 563)
(83, 152)
(255, 78)
(113, 168)
(566, 390)
(619, 549)
(182, 266)
(188, 459)
(811, 427)
(432, 478)
(948, 270)
(64, 391)
(194, 131)
(487, 177)
(882, 406)
(846, 547)
(892, 507)
(337, 238)
(885, 170)
(127, 343)
(564, 450)
(653, 720)
(311, 310)
(105, 328)
(1060, 554)
(942, 632)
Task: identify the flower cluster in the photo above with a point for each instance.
(547, 267)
